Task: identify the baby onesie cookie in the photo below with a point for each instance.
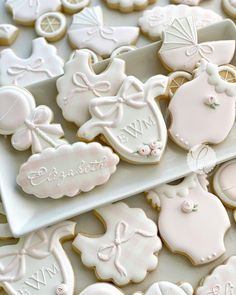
(229, 7)
(131, 121)
(73, 6)
(8, 34)
(51, 26)
(198, 108)
(80, 84)
(153, 22)
(38, 264)
(88, 31)
(222, 281)
(44, 63)
(167, 288)
(114, 255)
(180, 40)
(25, 12)
(185, 210)
(47, 174)
(101, 289)
(127, 6)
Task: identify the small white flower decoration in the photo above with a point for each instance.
(212, 102)
(189, 206)
(153, 149)
(61, 290)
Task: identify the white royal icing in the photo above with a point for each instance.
(129, 5)
(180, 40)
(131, 121)
(114, 255)
(201, 119)
(73, 6)
(101, 289)
(167, 288)
(8, 34)
(88, 31)
(222, 281)
(153, 22)
(37, 264)
(44, 63)
(27, 11)
(183, 215)
(80, 84)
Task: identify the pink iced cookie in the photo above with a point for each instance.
(192, 221)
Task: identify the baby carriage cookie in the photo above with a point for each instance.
(114, 255)
(80, 84)
(191, 221)
(198, 108)
(180, 40)
(8, 34)
(44, 63)
(88, 31)
(131, 121)
(37, 264)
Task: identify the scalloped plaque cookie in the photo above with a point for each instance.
(114, 255)
(185, 210)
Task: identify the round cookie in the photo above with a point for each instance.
(176, 80)
(122, 49)
(229, 7)
(73, 6)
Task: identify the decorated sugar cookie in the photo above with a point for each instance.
(180, 40)
(192, 221)
(176, 79)
(122, 49)
(101, 289)
(8, 34)
(187, 2)
(198, 108)
(229, 7)
(129, 5)
(88, 31)
(37, 264)
(153, 22)
(114, 255)
(44, 63)
(73, 6)
(47, 174)
(167, 288)
(25, 12)
(222, 281)
(131, 121)
(51, 26)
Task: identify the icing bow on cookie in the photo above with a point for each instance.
(104, 32)
(201, 49)
(113, 249)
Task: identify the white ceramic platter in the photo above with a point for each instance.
(27, 213)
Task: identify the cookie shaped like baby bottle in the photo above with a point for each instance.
(192, 221)
(203, 110)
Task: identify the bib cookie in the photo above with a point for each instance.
(8, 34)
(131, 121)
(115, 255)
(186, 223)
(88, 31)
(80, 84)
(198, 107)
(153, 22)
(180, 40)
(37, 264)
(167, 288)
(44, 63)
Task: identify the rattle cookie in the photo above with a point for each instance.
(8, 34)
(47, 174)
(131, 121)
(88, 31)
(185, 209)
(38, 264)
(115, 255)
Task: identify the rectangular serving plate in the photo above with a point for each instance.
(26, 213)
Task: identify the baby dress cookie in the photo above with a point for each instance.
(131, 121)
(167, 288)
(46, 174)
(153, 22)
(222, 281)
(80, 84)
(88, 31)
(203, 110)
(8, 34)
(192, 221)
(25, 12)
(44, 63)
(180, 40)
(37, 264)
(229, 7)
(114, 255)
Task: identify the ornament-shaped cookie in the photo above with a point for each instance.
(37, 264)
(192, 221)
(43, 64)
(114, 255)
(180, 40)
(88, 31)
(80, 84)
(203, 110)
(131, 121)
